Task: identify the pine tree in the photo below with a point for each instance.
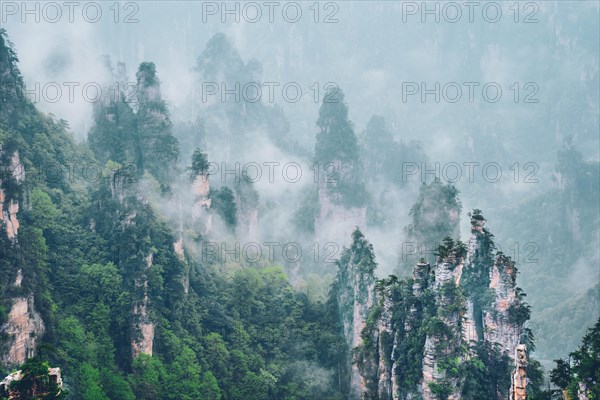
(435, 215)
(337, 153)
(158, 148)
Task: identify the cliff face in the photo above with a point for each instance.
(443, 342)
(248, 222)
(342, 194)
(24, 325)
(518, 388)
(434, 216)
(130, 223)
(583, 393)
(499, 327)
(9, 211)
(420, 335)
(336, 221)
(496, 304)
(143, 336)
(201, 203)
(384, 336)
(355, 297)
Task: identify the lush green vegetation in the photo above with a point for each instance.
(581, 372)
(84, 249)
(385, 156)
(94, 248)
(223, 202)
(435, 215)
(144, 138)
(199, 164)
(420, 310)
(35, 382)
(337, 152)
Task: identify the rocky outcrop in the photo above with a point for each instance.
(201, 215)
(336, 221)
(434, 216)
(497, 322)
(178, 247)
(10, 219)
(248, 222)
(501, 320)
(518, 388)
(24, 327)
(385, 337)
(118, 184)
(143, 338)
(40, 388)
(247, 201)
(355, 297)
(583, 393)
(158, 148)
(469, 332)
(9, 211)
(418, 334)
(444, 338)
(342, 194)
(469, 326)
(420, 278)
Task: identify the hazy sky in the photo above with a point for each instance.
(376, 51)
(490, 82)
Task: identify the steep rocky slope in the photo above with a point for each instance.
(419, 337)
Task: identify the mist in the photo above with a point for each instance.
(491, 99)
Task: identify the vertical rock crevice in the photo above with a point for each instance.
(355, 298)
(143, 338)
(518, 388)
(24, 326)
(418, 338)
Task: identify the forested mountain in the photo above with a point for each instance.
(578, 375)
(92, 281)
(126, 263)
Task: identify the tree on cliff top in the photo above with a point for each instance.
(158, 147)
(199, 164)
(336, 139)
(435, 215)
(35, 382)
(144, 138)
(360, 254)
(337, 152)
(384, 157)
(582, 372)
